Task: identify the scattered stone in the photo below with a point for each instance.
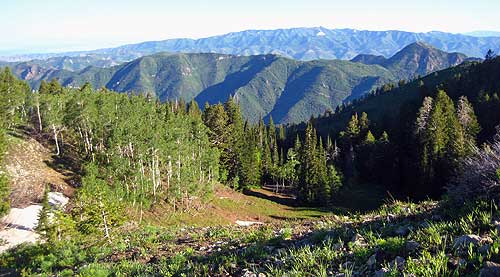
(452, 261)
(359, 240)
(496, 223)
(412, 246)
(490, 269)
(390, 217)
(248, 273)
(57, 200)
(464, 241)
(486, 240)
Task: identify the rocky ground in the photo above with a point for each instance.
(30, 167)
(399, 239)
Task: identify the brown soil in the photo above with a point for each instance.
(30, 167)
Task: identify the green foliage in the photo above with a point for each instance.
(443, 139)
(45, 226)
(14, 99)
(318, 179)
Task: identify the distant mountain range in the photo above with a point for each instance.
(296, 43)
(483, 34)
(265, 85)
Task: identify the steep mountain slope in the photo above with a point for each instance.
(297, 43)
(415, 59)
(265, 85)
(480, 82)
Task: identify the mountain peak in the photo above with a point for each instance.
(422, 58)
(419, 45)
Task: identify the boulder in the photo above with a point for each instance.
(372, 261)
(399, 262)
(490, 269)
(412, 246)
(465, 241)
(402, 231)
(57, 200)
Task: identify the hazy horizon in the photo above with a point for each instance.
(30, 26)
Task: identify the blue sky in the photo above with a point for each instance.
(63, 25)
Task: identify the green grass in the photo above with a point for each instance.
(226, 206)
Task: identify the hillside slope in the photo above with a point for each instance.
(480, 82)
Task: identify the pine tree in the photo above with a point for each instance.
(194, 110)
(442, 141)
(251, 160)
(4, 182)
(44, 88)
(353, 129)
(468, 121)
(364, 124)
(235, 141)
(54, 87)
(45, 227)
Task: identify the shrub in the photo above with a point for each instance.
(478, 177)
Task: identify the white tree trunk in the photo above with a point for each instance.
(39, 117)
(55, 138)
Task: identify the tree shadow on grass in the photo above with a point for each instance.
(287, 201)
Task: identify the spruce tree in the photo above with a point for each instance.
(468, 121)
(45, 228)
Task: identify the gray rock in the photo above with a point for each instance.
(347, 265)
(465, 241)
(436, 217)
(382, 272)
(337, 246)
(402, 231)
(484, 249)
(490, 270)
(372, 261)
(497, 225)
(412, 246)
(399, 262)
(358, 240)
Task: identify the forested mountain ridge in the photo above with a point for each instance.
(298, 43)
(421, 127)
(265, 85)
